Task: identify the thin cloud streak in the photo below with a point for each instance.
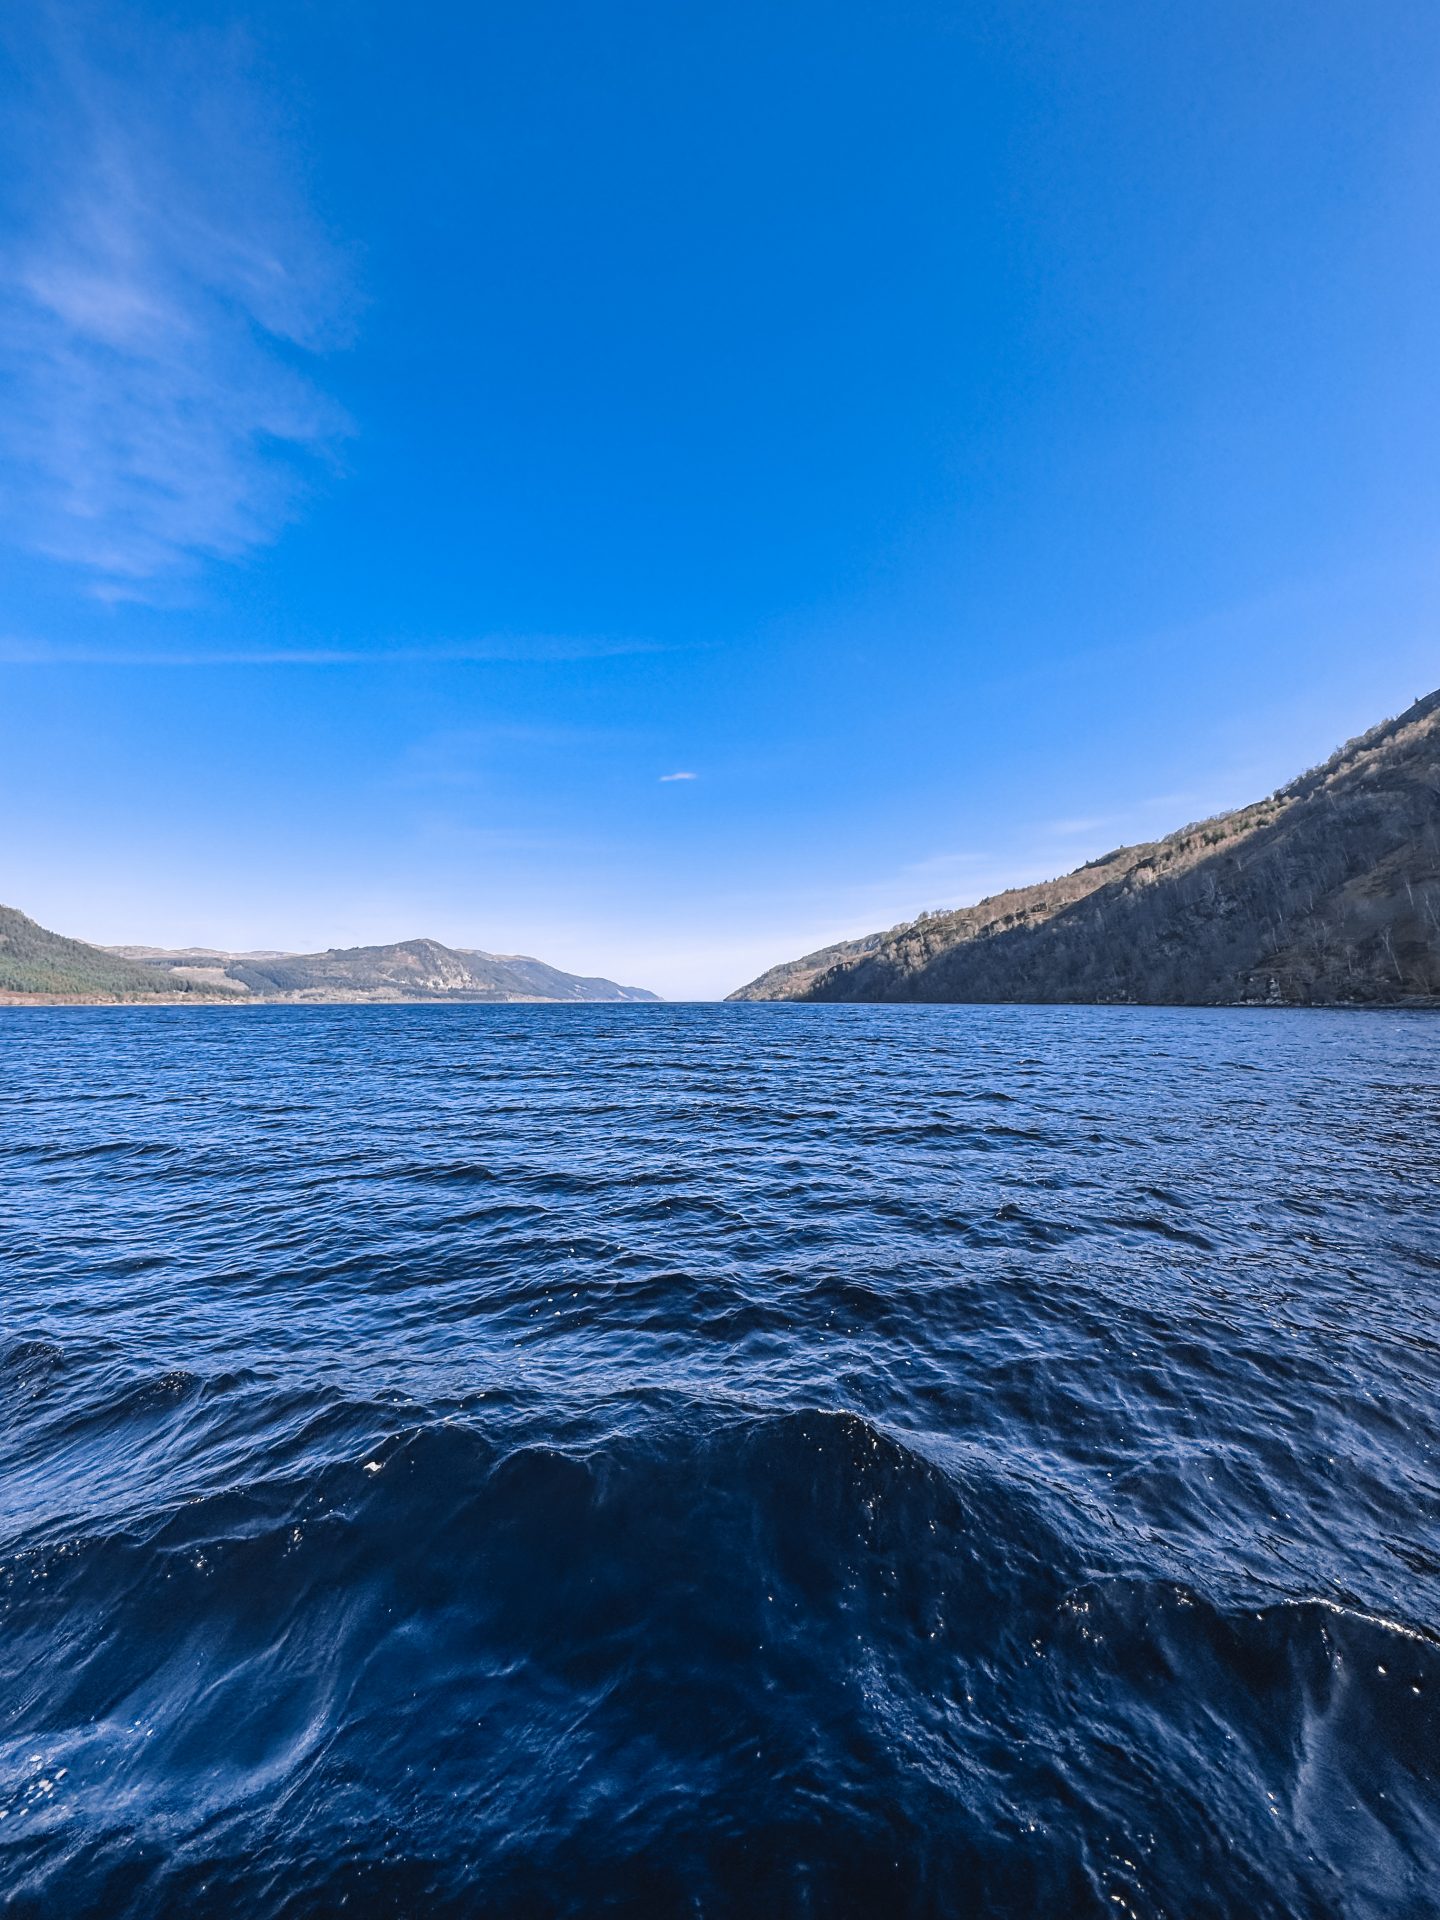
(468, 757)
(666, 777)
(541, 652)
(161, 295)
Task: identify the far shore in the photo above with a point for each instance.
(8, 999)
(1429, 1004)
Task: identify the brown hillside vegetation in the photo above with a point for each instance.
(1327, 893)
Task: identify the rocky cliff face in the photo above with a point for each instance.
(1327, 893)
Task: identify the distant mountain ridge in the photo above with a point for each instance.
(37, 964)
(1327, 893)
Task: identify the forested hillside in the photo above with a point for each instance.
(36, 961)
(402, 970)
(1326, 893)
(37, 964)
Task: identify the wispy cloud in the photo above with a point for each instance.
(462, 757)
(538, 651)
(677, 776)
(1081, 823)
(164, 290)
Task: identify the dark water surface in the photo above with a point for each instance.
(719, 1461)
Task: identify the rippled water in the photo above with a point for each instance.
(719, 1461)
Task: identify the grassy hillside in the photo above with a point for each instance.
(1327, 892)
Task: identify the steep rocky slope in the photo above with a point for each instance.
(1326, 893)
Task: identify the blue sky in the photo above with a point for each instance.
(957, 438)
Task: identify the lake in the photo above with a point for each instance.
(719, 1460)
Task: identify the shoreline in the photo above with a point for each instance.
(1429, 1004)
(213, 1000)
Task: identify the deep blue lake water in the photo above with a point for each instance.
(724, 1461)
